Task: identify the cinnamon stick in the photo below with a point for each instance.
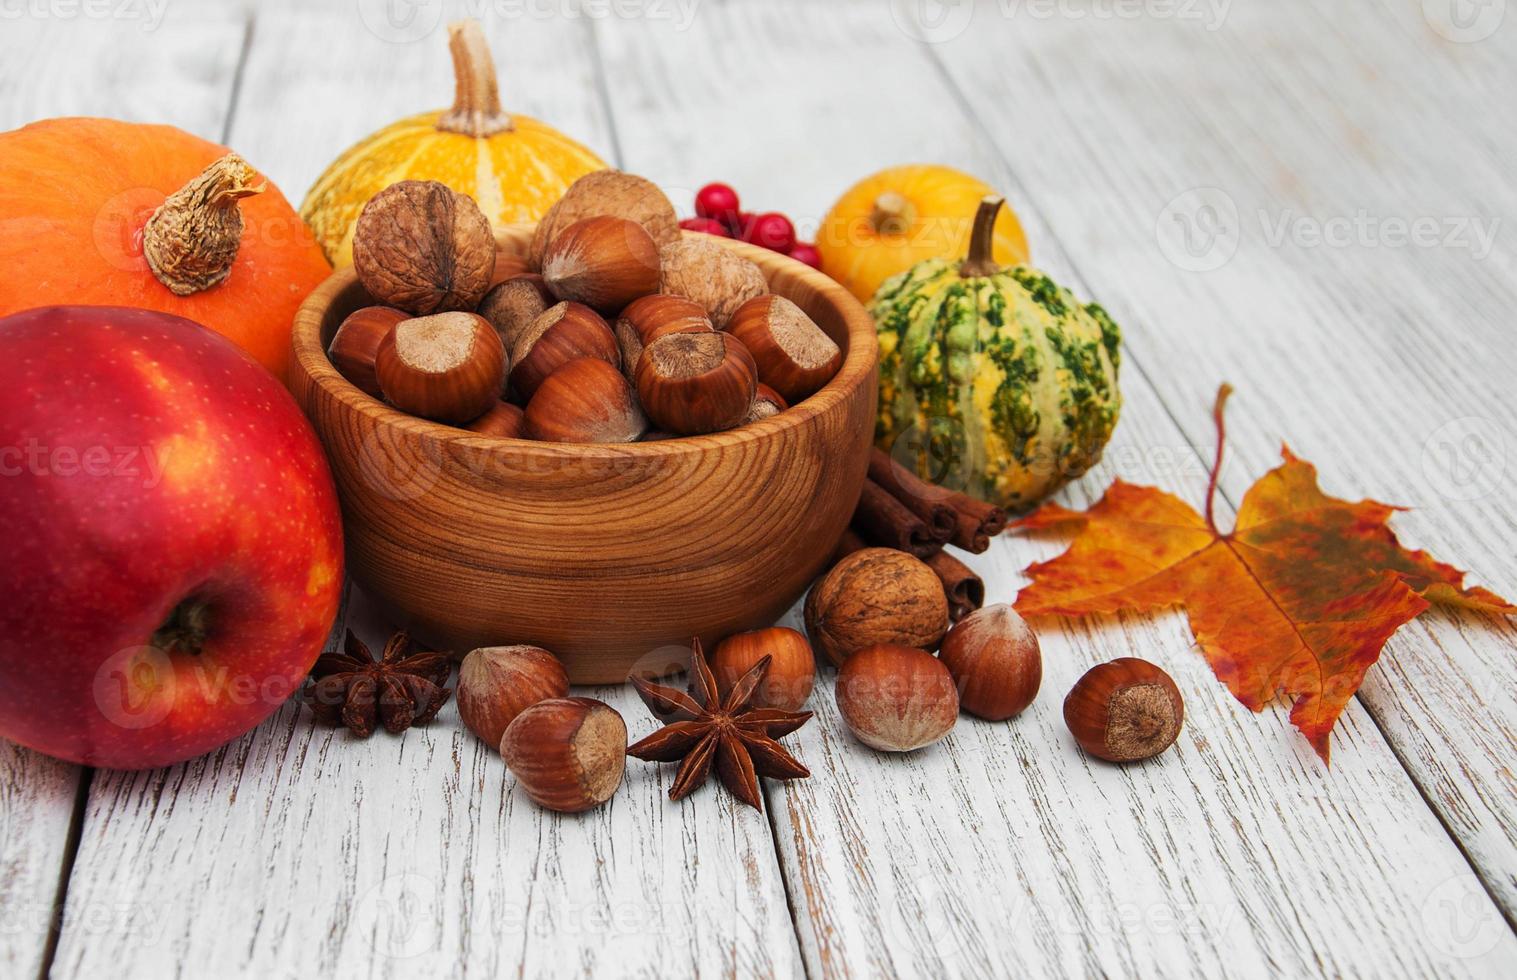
(883, 520)
(920, 497)
(975, 522)
(965, 589)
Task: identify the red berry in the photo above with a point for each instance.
(807, 253)
(708, 225)
(718, 202)
(771, 230)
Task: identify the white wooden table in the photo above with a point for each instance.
(1235, 180)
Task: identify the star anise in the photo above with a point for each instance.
(701, 727)
(400, 689)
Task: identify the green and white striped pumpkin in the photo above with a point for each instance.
(993, 380)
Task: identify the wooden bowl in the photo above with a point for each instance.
(611, 556)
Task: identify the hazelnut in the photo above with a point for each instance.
(568, 754)
(793, 355)
(563, 332)
(692, 383)
(603, 262)
(356, 343)
(610, 192)
(712, 275)
(1125, 710)
(495, 684)
(651, 317)
(994, 657)
(424, 247)
(446, 367)
(897, 699)
(792, 666)
(504, 421)
(512, 305)
(767, 403)
(586, 400)
(874, 596)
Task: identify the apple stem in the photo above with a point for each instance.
(185, 630)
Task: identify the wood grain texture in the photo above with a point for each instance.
(1054, 824)
(480, 541)
(1382, 358)
(37, 797)
(171, 62)
(302, 851)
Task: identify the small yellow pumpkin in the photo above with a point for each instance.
(514, 166)
(887, 223)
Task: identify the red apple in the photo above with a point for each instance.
(173, 550)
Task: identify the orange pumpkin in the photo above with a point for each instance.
(101, 212)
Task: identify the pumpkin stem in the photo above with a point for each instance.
(892, 214)
(981, 260)
(476, 108)
(191, 241)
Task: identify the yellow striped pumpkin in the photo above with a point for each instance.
(514, 166)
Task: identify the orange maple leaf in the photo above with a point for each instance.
(1297, 600)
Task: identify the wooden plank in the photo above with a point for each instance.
(37, 797)
(165, 63)
(177, 69)
(1004, 850)
(1369, 356)
(300, 851)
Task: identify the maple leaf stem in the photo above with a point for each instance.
(1216, 467)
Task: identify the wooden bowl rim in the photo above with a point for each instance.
(857, 369)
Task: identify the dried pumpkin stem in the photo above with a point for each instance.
(892, 214)
(476, 106)
(981, 259)
(191, 241)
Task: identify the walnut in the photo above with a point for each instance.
(875, 596)
(607, 192)
(711, 275)
(424, 247)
